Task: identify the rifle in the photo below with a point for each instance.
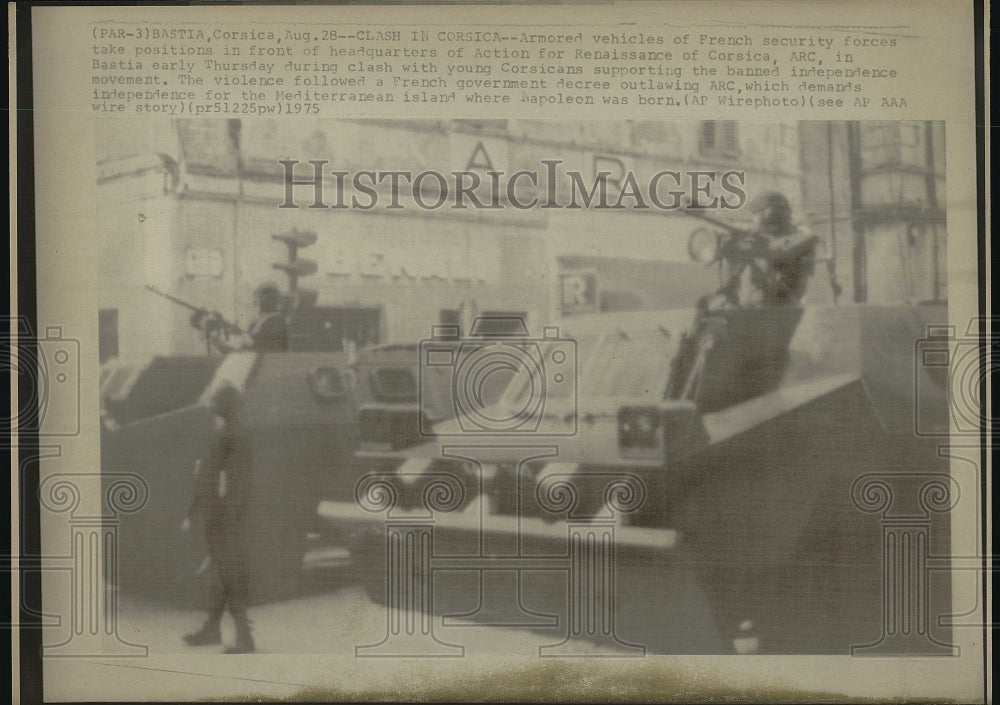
(211, 323)
(738, 248)
(725, 245)
(695, 213)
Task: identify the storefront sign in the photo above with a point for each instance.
(202, 262)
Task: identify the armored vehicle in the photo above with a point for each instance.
(663, 482)
(300, 408)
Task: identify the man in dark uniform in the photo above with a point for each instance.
(222, 493)
(268, 333)
(769, 266)
(785, 257)
(772, 263)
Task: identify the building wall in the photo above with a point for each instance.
(213, 188)
(881, 214)
(138, 227)
(827, 207)
(903, 203)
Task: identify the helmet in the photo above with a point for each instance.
(773, 211)
(266, 291)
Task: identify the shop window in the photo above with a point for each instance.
(937, 147)
(892, 144)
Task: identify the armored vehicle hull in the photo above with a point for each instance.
(299, 409)
(737, 516)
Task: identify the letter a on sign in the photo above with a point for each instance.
(477, 163)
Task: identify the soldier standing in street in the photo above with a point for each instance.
(221, 498)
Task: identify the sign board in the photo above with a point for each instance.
(203, 262)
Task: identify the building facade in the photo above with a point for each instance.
(198, 209)
(875, 192)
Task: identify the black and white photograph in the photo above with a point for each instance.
(615, 351)
(422, 388)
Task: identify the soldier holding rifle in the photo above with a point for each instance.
(268, 333)
(770, 265)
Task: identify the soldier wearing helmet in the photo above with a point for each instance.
(780, 258)
(270, 331)
(770, 264)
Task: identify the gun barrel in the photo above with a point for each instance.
(217, 318)
(179, 302)
(714, 221)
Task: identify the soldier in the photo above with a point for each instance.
(772, 263)
(770, 266)
(222, 492)
(785, 258)
(268, 333)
